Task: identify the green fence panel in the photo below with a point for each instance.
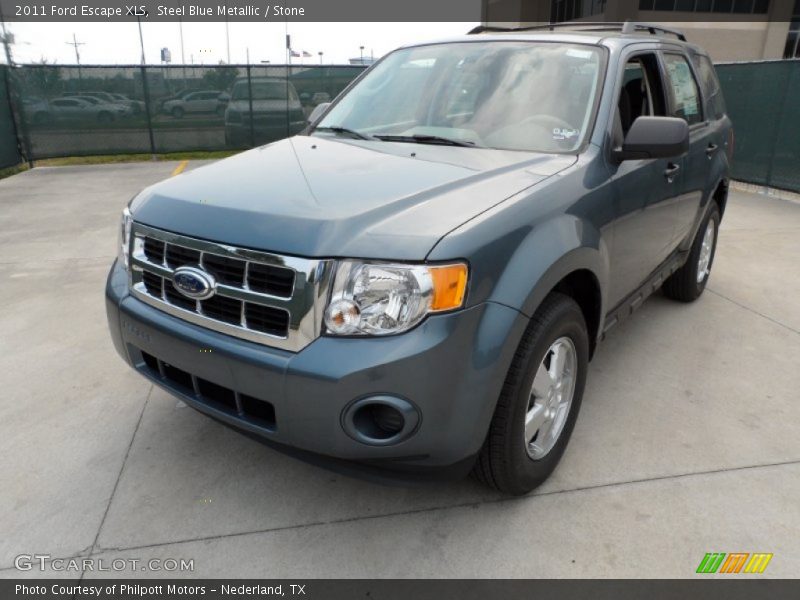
(762, 101)
(9, 151)
(90, 110)
(785, 171)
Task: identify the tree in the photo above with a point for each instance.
(41, 79)
(221, 78)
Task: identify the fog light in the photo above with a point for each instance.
(380, 420)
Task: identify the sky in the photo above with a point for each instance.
(205, 43)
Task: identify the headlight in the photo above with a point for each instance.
(124, 237)
(385, 298)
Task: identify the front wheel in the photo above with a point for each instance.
(540, 400)
(687, 283)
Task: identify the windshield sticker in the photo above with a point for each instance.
(565, 133)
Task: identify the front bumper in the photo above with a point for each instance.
(451, 367)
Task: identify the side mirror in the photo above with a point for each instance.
(319, 109)
(655, 137)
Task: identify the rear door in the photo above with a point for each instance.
(686, 102)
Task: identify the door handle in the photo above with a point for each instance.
(711, 149)
(671, 170)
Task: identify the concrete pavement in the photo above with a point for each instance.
(687, 441)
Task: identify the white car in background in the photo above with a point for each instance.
(136, 106)
(113, 109)
(77, 108)
(204, 101)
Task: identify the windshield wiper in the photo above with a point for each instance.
(345, 131)
(425, 139)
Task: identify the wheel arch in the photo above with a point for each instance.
(720, 196)
(566, 255)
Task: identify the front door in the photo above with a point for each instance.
(645, 191)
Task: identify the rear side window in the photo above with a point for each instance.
(710, 83)
(683, 89)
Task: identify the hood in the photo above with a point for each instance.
(326, 197)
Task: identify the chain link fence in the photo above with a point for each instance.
(763, 101)
(49, 111)
(90, 110)
(9, 150)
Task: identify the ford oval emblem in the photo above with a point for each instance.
(194, 283)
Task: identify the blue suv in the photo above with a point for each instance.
(414, 285)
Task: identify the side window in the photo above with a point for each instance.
(641, 92)
(710, 84)
(683, 89)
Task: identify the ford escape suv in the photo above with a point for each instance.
(415, 284)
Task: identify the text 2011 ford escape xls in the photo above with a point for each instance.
(417, 282)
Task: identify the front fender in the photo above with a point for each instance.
(517, 262)
(547, 255)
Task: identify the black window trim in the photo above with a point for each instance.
(706, 98)
(629, 53)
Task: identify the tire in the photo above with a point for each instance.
(687, 283)
(507, 462)
(177, 112)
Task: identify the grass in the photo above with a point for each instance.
(67, 161)
(126, 158)
(9, 171)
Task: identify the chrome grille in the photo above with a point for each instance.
(267, 298)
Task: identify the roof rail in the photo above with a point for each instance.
(626, 27)
(632, 27)
(583, 25)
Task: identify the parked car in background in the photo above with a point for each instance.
(417, 283)
(205, 101)
(84, 108)
(115, 109)
(104, 96)
(136, 106)
(36, 110)
(276, 112)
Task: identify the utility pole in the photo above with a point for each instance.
(141, 38)
(227, 35)
(320, 56)
(146, 93)
(7, 39)
(183, 57)
(75, 43)
(362, 54)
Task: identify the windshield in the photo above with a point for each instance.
(264, 90)
(534, 96)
